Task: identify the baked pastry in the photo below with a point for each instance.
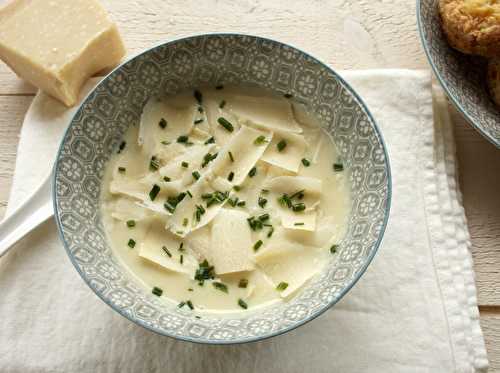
(494, 80)
(472, 26)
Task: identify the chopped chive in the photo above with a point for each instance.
(190, 304)
(257, 245)
(197, 317)
(287, 95)
(230, 177)
(270, 233)
(196, 175)
(222, 104)
(162, 123)
(242, 304)
(189, 193)
(231, 156)
(204, 272)
(210, 141)
(185, 164)
(282, 286)
(181, 304)
(122, 170)
(243, 283)
(338, 167)
(219, 87)
(181, 259)
(206, 196)
(241, 204)
(181, 247)
(252, 172)
(306, 162)
(157, 291)
(198, 121)
(183, 139)
(165, 142)
(200, 109)
(281, 145)
(262, 202)
(131, 243)
(166, 179)
(198, 96)
(237, 188)
(285, 201)
(298, 224)
(226, 124)
(179, 232)
(122, 146)
(190, 289)
(299, 207)
(185, 222)
(264, 191)
(169, 207)
(334, 248)
(130, 223)
(264, 217)
(207, 158)
(220, 286)
(154, 192)
(154, 164)
(164, 248)
(232, 202)
(261, 140)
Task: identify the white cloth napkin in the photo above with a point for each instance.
(415, 309)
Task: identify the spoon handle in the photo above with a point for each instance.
(30, 214)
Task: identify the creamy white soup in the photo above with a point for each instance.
(225, 199)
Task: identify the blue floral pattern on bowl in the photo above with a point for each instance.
(462, 77)
(116, 103)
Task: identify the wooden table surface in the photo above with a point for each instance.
(346, 34)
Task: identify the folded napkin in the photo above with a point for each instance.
(414, 310)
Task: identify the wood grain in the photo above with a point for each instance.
(345, 34)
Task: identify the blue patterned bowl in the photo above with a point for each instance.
(116, 103)
(463, 77)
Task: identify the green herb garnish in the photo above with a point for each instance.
(164, 248)
(165, 142)
(130, 223)
(181, 304)
(198, 121)
(199, 212)
(230, 177)
(182, 139)
(334, 248)
(241, 204)
(196, 175)
(181, 247)
(226, 124)
(122, 146)
(181, 259)
(264, 191)
(131, 243)
(219, 87)
(154, 192)
(185, 164)
(210, 141)
(281, 145)
(198, 96)
(262, 202)
(207, 158)
(257, 245)
(287, 95)
(261, 140)
(222, 104)
(306, 162)
(298, 224)
(157, 291)
(162, 123)
(252, 172)
(185, 222)
(270, 233)
(190, 304)
(237, 188)
(122, 170)
(204, 272)
(243, 283)
(154, 164)
(299, 207)
(264, 217)
(166, 179)
(242, 304)
(285, 201)
(231, 156)
(220, 286)
(282, 286)
(338, 167)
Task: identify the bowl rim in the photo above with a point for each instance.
(442, 82)
(209, 341)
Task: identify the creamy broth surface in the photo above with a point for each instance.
(225, 199)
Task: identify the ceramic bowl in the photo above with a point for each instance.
(116, 103)
(463, 77)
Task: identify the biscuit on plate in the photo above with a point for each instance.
(472, 26)
(494, 80)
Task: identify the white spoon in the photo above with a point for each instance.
(32, 212)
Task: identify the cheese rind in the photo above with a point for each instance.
(57, 45)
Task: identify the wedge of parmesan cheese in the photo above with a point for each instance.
(231, 242)
(159, 243)
(292, 264)
(272, 113)
(291, 155)
(241, 154)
